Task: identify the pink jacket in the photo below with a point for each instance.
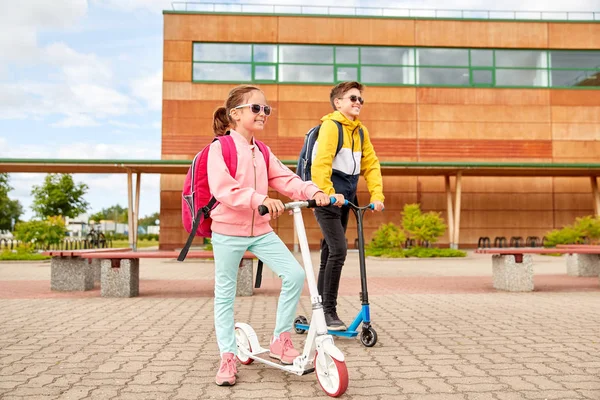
(239, 198)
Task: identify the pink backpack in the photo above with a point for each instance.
(197, 202)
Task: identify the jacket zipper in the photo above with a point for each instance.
(253, 211)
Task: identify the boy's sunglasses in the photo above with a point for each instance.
(257, 108)
(354, 98)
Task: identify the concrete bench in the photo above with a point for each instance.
(121, 270)
(582, 264)
(512, 267)
(71, 271)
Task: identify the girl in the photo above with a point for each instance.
(238, 227)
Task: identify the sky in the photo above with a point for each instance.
(82, 79)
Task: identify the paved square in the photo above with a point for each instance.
(444, 333)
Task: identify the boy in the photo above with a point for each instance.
(337, 175)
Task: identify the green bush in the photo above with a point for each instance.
(388, 236)
(428, 227)
(425, 252)
(389, 239)
(584, 228)
(47, 232)
(23, 252)
(148, 236)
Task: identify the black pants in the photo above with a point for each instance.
(333, 222)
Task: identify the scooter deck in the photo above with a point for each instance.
(346, 333)
(262, 355)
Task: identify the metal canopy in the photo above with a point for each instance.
(73, 166)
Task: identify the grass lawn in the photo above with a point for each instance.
(140, 244)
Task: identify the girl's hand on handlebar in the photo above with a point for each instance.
(339, 200)
(321, 199)
(378, 206)
(275, 207)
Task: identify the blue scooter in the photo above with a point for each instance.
(368, 336)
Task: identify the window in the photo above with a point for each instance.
(222, 52)
(387, 75)
(443, 57)
(222, 72)
(385, 56)
(305, 73)
(394, 66)
(306, 54)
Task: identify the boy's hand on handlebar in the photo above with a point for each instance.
(321, 199)
(339, 200)
(378, 206)
(275, 207)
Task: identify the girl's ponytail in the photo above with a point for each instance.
(221, 122)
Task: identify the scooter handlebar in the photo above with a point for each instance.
(263, 210)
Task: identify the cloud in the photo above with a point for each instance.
(77, 67)
(149, 89)
(22, 22)
(76, 120)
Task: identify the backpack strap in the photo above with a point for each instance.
(340, 136)
(265, 152)
(230, 157)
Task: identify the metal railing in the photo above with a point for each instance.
(251, 8)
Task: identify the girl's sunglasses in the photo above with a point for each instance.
(257, 108)
(355, 98)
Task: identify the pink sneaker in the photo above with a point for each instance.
(227, 370)
(283, 349)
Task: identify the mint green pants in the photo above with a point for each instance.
(228, 252)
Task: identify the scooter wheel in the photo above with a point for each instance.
(301, 319)
(241, 340)
(368, 337)
(332, 375)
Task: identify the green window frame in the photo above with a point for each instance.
(348, 62)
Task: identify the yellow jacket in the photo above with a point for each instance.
(339, 174)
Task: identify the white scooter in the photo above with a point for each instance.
(319, 354)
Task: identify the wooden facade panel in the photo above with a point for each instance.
(220, 28)
(492, 185)
(482, 96)
(389, 112)
(382, 94)
(576, 131)
(302, 110)
(485, 130)
(325, 30)
(491, 201)
(177, 50)
(507, 219)
(573, 185)
(391, 129)
(564, 218)
(491, 149)
(574, 36)
(316, 110)
(565, 97)
(172, 182)
(188, 126)
(574, 114)
(308, 93)
(392, 184)
(177, 90)
(190, 109)
(484, 113)
(574, 201)
(444, 33)
(582, 149)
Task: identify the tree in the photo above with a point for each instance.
(50, 231)
(149, 220)
(10, 210)
(113, 213)
(59, 195)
